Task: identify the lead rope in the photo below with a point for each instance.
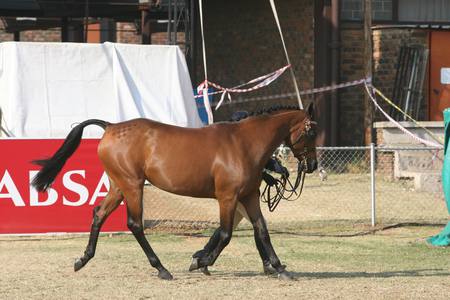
(280, 187)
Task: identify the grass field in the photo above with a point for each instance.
(391, 264)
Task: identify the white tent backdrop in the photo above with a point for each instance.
(45, 88)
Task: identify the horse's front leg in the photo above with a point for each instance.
(214, 239)
(221, 237)
(262, 237)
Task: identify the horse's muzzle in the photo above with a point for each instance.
(307, 165)
(311, 165)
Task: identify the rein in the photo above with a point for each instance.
(282, 190)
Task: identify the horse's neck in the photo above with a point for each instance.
(270, 132)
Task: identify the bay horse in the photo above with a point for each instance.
(224, 161)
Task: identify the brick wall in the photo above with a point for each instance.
(351, 116)
(126, 33)
(4, 37)
(244, 43)
(386, 48)
(51, 35)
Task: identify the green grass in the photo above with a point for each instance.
(392, 264)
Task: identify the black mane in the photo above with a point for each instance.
(239, 115)
(273, 109)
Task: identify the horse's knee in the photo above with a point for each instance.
(134, 226)
(225, 237)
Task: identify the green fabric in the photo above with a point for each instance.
(443, 238)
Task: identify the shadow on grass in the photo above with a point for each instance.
(334, 275)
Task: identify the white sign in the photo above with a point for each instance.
(445, 76)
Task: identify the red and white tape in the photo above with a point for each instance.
(399, 126)
(259, 82)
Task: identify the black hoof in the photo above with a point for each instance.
(78, 264)
(205, 271)
(269, 270)
(164, 274)
(285, 275)
(194, 264)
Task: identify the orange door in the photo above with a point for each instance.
(439, 93)
(93, 33)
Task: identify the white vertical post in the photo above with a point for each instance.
(372, 181)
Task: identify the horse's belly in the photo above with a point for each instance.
(192, 186)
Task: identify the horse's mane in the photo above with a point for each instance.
(273, 109)
(269, 110)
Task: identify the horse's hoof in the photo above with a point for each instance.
(269, 270)
(78, 264)
(194, 264)
(206, 271)
(285, 275)
(164, 274)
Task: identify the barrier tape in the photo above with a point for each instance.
(368, 88)
(436, 138)
(202, 89)
(261, 81)
(305, 92)
(205, 69)
(277, 21)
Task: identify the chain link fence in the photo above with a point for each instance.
(337, 197)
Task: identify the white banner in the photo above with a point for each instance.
(48, 87)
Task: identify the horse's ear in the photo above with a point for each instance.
(310, 110)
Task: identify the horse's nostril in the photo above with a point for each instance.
(313, 165)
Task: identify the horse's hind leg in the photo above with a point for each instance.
(133, 196)
(227, 210)
(101, 213)
(215, 237)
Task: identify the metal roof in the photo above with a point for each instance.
(18, 5)
(69, 8)
(41, 14)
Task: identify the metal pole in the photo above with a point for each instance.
(175, 27)
(372, 181)
(169, 24)
(334, 113)
(368, 110)
(86, 21)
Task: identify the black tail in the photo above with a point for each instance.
(52, 166)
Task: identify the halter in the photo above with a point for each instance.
(280, 184)
(308, 127)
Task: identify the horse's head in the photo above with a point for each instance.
(302, 140)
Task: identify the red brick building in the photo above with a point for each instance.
(242, 42)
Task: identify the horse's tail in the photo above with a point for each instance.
(52, 166)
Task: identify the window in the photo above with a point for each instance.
(352, 10)
(402, 11)
(431, 11)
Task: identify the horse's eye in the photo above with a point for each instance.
(311, 133)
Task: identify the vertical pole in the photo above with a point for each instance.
(175, 26)
(368, 111)
(169, 24)
(322, 69)
(146, 33)
(335, 49)
(86, 21)
(64, 29)
(17, 36)
(372, 181)
(193, 18)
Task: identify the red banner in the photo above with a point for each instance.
(68, 205)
